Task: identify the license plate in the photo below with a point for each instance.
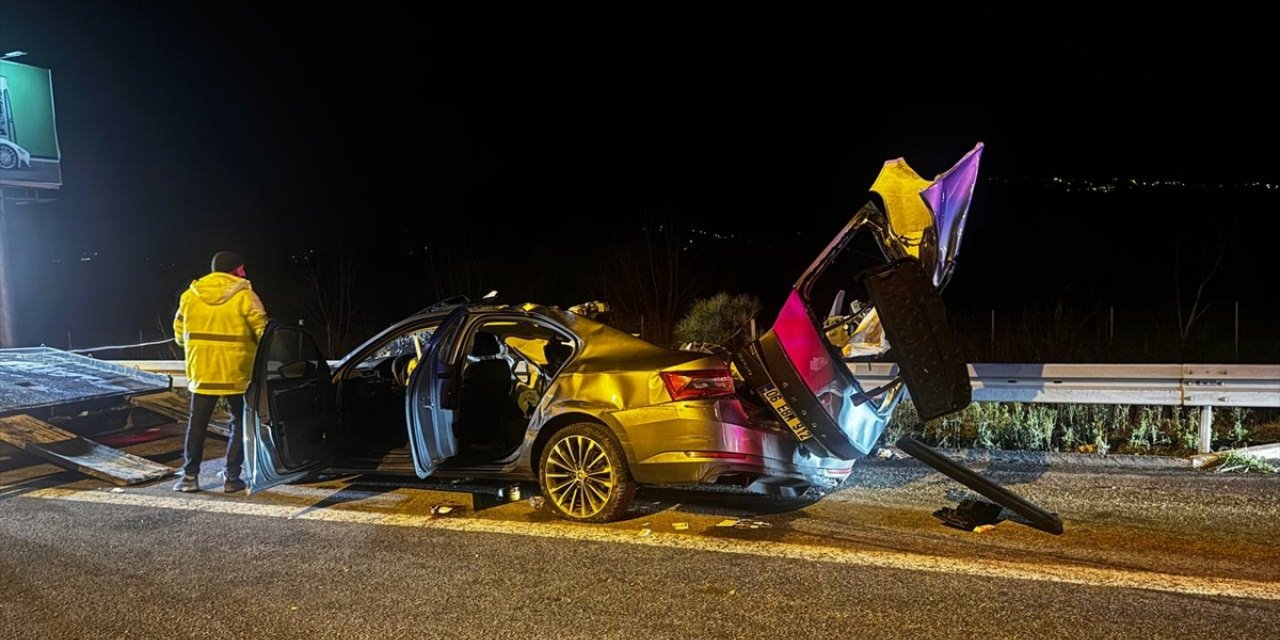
(774, 397)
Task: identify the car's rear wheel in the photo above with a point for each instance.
(584, 474)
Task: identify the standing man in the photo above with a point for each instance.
(219, 322)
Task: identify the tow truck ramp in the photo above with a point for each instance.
(47, 381)
(171, 405)
(69, 450)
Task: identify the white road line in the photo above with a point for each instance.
(1087, 576)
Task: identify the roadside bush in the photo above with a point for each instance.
(1084, 428)
(722, 319)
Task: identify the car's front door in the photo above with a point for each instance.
(431, 398)
(291, 414)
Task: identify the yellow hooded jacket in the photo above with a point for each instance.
(219, 322)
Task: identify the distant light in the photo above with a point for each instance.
(13, 54)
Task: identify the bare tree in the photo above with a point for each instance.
(644, 283)
(1188, 316)
(455, 269)
(170, 349)
(330, 281)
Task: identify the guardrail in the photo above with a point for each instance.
(1190, 385)
(1187, 385)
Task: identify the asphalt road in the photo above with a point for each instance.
(1149, 554)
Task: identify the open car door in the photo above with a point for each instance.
(431, 398)
(292, 416)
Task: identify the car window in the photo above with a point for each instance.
(401, 349)
(404, 344)
(533, 352)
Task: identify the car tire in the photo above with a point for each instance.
(8, 158)
(584, 474)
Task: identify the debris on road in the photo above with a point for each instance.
(679, 526)
(970, 515)
(510, 492)
(1267, 452)
(117, 490)
(1030, 514)
(983, 528)
(743, 523)
(443, 509)
(537, 502)
(1236, 462)
(888, 453)
(645, 532)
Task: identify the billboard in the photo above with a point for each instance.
(29, 155)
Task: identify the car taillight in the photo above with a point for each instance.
(690, 385)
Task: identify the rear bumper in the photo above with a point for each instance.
(710, 441)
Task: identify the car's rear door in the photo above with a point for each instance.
(291, 413)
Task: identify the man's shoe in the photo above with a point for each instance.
(233, 486)
(187, 485)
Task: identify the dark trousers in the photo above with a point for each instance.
(202, 407)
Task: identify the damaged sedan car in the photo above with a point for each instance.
(536, 393)
(520, 393)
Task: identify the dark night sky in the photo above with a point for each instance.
(191, 127)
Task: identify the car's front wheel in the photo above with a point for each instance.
(584, 474)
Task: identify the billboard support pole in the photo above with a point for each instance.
(26, 96)
(8, 333)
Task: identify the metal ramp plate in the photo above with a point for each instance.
(69, 450)
(44, 377)
(172, 405)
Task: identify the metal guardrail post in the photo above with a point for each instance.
(1206, 430)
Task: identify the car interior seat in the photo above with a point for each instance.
(485, 401)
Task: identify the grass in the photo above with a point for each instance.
(1236, 462)
(1085, 428)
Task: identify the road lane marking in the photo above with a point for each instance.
(1086, 576)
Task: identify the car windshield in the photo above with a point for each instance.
(406, 343)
